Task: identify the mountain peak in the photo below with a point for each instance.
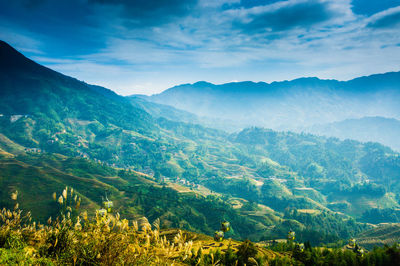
(202, 83)
(8, 55)
(12, 60)
(5, 47)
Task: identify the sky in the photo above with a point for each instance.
(147, 46)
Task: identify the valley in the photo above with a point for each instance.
(165, 164)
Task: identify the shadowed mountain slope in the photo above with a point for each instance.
(28, 88)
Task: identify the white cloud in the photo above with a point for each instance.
(385, 19)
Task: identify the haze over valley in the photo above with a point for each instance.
(199, 132)
(307, 104)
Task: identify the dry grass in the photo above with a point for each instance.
(74, 239)
(309, 211)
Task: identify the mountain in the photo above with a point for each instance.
(56, 131)
(289, 105)
(377, 129)
(31, 89)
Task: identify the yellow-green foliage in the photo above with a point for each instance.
(73, 238)
(76, 239)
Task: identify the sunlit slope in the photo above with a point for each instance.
(383, 234)
(326, 170)
(37, 176)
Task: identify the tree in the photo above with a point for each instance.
(246, 250)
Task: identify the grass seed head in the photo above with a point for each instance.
(84, 215)
(64, 193)
(61, 200)
(14, 195)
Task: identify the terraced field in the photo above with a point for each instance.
(208, 244)
(383, 234)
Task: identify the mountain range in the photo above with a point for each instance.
(157, 161)
(377, 129)
(297, 105)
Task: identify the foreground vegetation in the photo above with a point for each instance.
(75, 239)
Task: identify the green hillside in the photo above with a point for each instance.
(383, 234)
(38, 176)
(74, 238)
(56, 131)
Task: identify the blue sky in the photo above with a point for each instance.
(146, 46)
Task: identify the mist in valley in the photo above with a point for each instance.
(364, 109)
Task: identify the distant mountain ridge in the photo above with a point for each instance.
(377, 129)
(374, 81)
(289, 105)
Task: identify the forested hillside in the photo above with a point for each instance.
(56, 131)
